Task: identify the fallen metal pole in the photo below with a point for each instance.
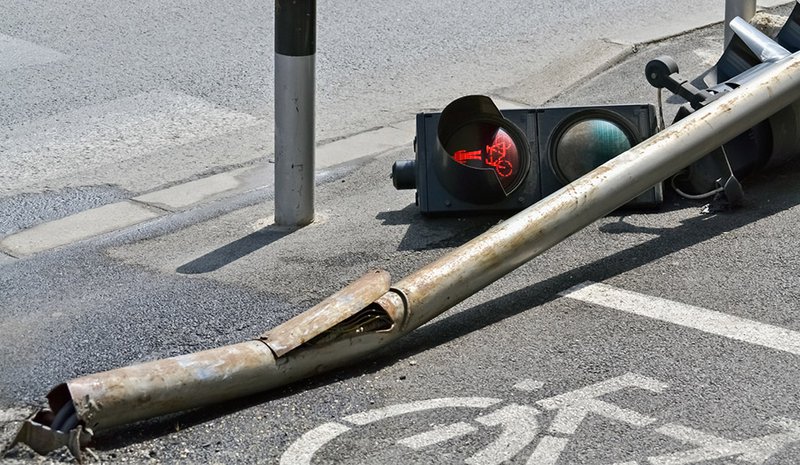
(371, 312)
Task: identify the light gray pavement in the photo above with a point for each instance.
(216, 272)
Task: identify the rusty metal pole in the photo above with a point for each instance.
(371, 313)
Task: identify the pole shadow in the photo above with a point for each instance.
(237, 249)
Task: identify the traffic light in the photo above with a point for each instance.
(472, 157)
(767, 144)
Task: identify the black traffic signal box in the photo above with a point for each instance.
(472, 157)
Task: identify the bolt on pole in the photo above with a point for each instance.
(295, 49)
(744, 9)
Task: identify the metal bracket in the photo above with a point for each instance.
(43, 440)
(732, 194)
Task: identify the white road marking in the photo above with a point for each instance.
(574, 406)
(702, 319)
(548, 451)
(569, 418)
(106, 134)
(618, 383)
(437, 435)
(378, 414)
(529, 385)
(302, 451)
(756, 450)
(519, 429)
(18, 53)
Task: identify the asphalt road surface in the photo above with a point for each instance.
(666, 337)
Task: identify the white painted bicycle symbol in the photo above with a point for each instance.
(521, 427)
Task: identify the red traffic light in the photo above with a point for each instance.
(483, 157)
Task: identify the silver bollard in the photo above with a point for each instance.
(295, 49)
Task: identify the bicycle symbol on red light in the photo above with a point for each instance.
(495, 157)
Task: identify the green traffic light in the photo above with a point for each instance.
(588, 144)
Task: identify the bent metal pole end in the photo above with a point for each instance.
(47, 430)
(346, 326)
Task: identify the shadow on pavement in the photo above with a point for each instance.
(237, 249)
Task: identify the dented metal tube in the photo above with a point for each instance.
(282, 355)
(129, 394)
(368, 314)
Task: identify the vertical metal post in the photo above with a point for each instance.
(295, 48)
(744, 9)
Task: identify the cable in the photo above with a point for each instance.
(696, 196)
(661, 124)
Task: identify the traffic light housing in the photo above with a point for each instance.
(474, 158)
(767, 144)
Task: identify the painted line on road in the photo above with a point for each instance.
(17, 53)
(378, 414)
(302, 451)
(709, 321)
